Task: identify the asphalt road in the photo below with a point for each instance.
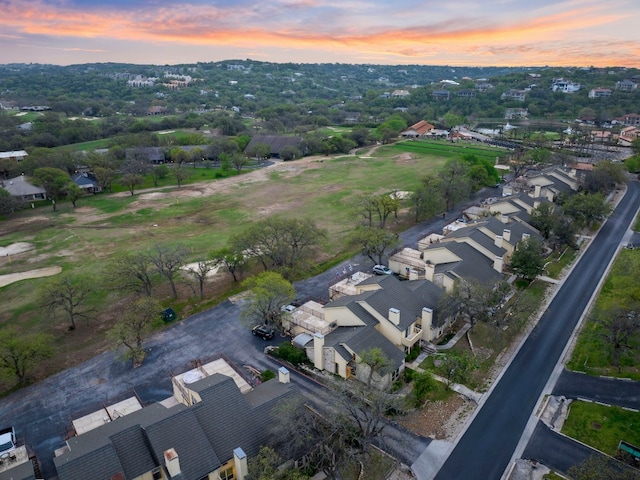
(487, 445)
(611, 391)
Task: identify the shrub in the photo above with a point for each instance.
(423, 383)
(267, 375)
(291, 354)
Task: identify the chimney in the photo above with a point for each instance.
(525, 236)
(498, 263)
(427, 318)
(504, 218)
(240, 462)
(429, 271)
(283, 375)
(506, 234)
(498, 241)
(394, 316)
(172, 462)
(318, 351)
(537, 191)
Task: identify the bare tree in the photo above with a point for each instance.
(136, 323)
(168, 260)
(181, 173)
(618, 326)
(233, 262)
(69, 296)
(131, 271)
(131, 181)
(201, 271)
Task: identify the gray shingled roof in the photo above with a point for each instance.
(474, 265)
(20, 187)
(516, 228)
(24, 471)
(183, 433)
(201, 434)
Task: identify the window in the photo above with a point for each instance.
(227, 474)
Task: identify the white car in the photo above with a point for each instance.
(381, 270)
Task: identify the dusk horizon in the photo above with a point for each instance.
(504, 33)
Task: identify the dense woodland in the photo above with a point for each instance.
(284, 98)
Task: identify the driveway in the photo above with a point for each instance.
(612, 391)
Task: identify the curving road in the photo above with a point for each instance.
(485, 449)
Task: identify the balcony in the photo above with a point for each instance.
(414, 335)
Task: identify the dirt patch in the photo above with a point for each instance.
(405, 159)
(442, 420)
(37, 273)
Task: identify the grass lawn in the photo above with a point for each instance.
(559, 261)
(592, 355)
(601, 426)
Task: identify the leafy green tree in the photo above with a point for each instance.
(135, 324)
(457, 367)
(587, 209)
(7, 202)
(68, 295)
(259, 150)
(543, 217)
(455, 186)
(73, 192)
(635, 146)
(234, 262)
(269, 291)
(239, 161)
(53, 180)
(527, 260)
(374, 210)
(376, 361)
(158, 173)
(268, 465)
(428, 200)
(374, 242)
(423, 384)
(105, 177)
(604, 177)
(20, 352)
(289, 152)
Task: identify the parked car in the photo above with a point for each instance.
(263, 331)
(381, 270)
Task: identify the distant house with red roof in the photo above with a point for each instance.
(420, 129)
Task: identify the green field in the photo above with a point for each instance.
(591, 354)
(601, 426)
(201, 216)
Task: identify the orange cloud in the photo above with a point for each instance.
(542, 40)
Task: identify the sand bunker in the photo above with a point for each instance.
(37, 273)
(15, 248)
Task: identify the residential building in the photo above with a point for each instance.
(564, 86)
(630, 119)
(628, 135)
(87, 181)
(400, 93)
(420, 129)
(385, 313)
(206, 431)
(441, 94)
(517, 95)
(599, 92)
(17, 155)
(626, 85)
(23, 191)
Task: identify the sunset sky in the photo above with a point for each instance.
(451, 32)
